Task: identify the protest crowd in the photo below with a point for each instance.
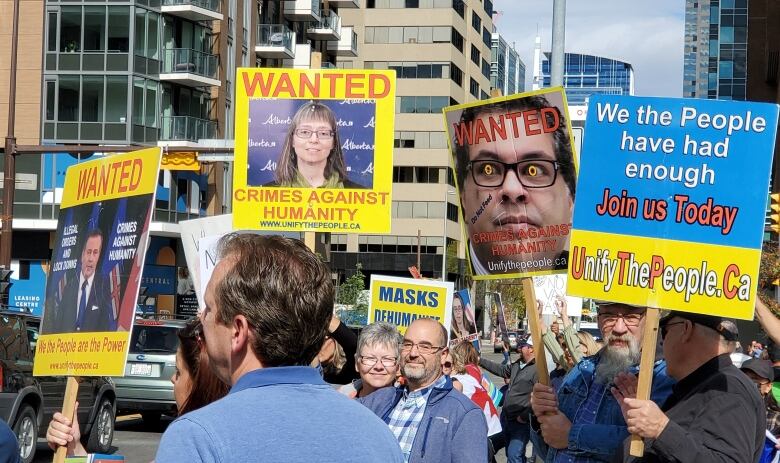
(266, 372)
(254, 381)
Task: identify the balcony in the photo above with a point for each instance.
(327, 28)
(346, 45)
(185, 130)
(302, 10)
(344, 3)
(302, 59)
(194, 10)
(275, 41)
(189, 67)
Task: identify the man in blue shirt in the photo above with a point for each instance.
(582, 422)
(9, 445)
(268, 305)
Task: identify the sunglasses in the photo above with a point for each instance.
(665, 329)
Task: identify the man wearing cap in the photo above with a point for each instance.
(762, 375)
(582, 421)
(714, 414)
(517, 402)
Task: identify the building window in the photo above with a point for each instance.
(485, 69)
(422, 104)
(456, 75)
(408, 34)
(457, 40)
(473, 88)
(486, 37)
(475, 55)
(476, 21)
(338, 243)
(420, 140)
(70, 29)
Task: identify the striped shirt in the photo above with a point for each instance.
(408, 413)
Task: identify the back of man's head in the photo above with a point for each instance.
(285, 292)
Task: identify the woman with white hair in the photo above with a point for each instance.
(377, 359)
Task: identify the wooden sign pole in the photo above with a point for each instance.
(649, 339)
(69, 410)
(536, 332)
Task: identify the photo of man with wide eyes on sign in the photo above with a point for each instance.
(516, 175)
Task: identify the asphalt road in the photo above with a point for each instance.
(138, 442)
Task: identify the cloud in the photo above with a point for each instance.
(649, 35)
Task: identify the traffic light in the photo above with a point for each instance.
(5, 286)
(774, 214)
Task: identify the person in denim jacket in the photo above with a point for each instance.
(583, 421)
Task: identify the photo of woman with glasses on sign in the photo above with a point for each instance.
(516, 176)
(311, 155)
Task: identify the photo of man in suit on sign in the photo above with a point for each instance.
(85, 305)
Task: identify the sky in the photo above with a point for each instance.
(647, 34)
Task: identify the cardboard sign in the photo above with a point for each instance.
(549, 289)
(400, 301)
(314, 150)
(191, 233)
(671, 203)
(98, 257)
(515, 172)
(464, 324)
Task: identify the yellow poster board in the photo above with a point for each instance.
(314, 150)
(400, 301)
(98, 257)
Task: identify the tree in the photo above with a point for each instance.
(768, 273)
(350, 294)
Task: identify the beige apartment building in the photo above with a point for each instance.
(441, 51)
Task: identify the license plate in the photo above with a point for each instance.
(141, 369)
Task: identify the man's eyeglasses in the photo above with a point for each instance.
(665, 328)
(306, 134)
(387, 362)
(630, 319)
(424, 348)
(532, 173)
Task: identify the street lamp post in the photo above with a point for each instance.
(9, 166)
(444, 253)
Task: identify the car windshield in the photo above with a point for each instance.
(148, 339)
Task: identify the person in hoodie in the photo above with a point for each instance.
(433, 422)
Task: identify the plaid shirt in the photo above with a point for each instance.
(586, 415)
(408, 413)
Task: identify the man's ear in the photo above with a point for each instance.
(241, 334)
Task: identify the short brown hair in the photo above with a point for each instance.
(285, 292)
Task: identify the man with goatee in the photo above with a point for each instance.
(582, 421)
(433, 422)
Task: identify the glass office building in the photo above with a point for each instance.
(507, 70)
(585, 75)
(715, 60)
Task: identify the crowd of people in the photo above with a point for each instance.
(256, 373)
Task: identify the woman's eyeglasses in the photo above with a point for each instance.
(321, 134)
(387, 362)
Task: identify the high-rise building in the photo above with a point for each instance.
(585, 75)
(440, 50)
(715, 60)
(507, 70)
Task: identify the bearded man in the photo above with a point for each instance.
(582, 421)
(433, 422)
